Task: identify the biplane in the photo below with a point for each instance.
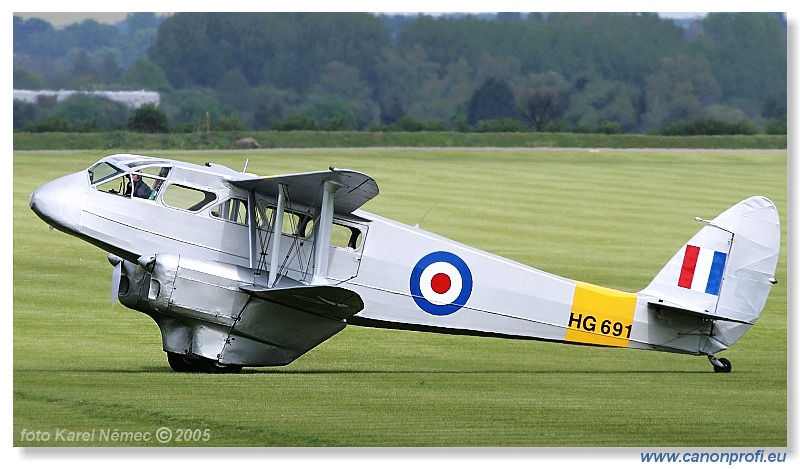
(242, 270)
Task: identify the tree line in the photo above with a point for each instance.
(580, 72)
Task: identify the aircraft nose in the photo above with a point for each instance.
(59, 202)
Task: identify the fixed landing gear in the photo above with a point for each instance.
(721, 365)
(184, 364)
(210, 366)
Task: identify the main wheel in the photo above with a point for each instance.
(182, 364)
(725, 368)
(214, 367)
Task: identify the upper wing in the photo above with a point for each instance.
(305, 188)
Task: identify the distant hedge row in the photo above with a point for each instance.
(202, 140)
(87, 115)
(713, 126)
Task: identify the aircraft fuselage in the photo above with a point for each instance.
(221, 262)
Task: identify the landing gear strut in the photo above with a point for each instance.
(721, 365)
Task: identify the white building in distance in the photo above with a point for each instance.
(132, 99)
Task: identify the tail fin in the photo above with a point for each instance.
(725, 272)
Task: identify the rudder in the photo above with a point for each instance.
(725, 272)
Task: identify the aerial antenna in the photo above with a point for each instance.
(426, 214)
(245, 165)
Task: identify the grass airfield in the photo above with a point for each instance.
(611, 218)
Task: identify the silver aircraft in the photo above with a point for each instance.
(242, 270)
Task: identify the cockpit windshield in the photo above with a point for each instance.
(102, 171)
(144, 183)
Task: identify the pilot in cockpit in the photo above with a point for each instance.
(140, 188)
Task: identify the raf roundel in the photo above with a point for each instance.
(441, 283)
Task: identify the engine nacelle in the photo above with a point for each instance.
(202, 311)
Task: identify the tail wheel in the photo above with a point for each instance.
(721, 365)
(724, 368)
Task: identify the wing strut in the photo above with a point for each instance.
(322, 241)
(252, 232)
(277, 229)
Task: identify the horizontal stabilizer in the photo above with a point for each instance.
(321, 300)
(667, 306)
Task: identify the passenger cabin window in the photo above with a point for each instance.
(234, 210)
(261, 218)
(187, 198)
(294, 223)
(345, 236)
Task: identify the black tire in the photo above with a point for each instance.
(725, 368)
(182, 364)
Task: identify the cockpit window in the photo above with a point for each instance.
(136, 164)
(117, 185)
(138, 184)
(159, 175)
(156, 171)
(141, 187)
(102, 171)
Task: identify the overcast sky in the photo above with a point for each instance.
(62, 19)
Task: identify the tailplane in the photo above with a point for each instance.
(725, 272)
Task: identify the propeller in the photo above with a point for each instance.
(116, 276)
